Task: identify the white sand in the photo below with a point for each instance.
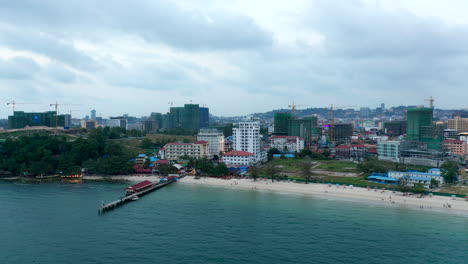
(389, 198)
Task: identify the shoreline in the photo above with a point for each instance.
(363, 195)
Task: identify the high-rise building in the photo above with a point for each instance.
(190, 116)
(21, 119)
(306, 128)
(281, 123)
(93, 114)
(215, 139)
(247, 138)
(458, 124)
(418, 120)
(204, 117)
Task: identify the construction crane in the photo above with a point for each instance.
(332, 120)
(431, 101)
(171, 103)
(13, 104)
(56, 105)
(293, 107)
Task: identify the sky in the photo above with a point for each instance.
(236, 57)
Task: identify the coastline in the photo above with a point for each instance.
(363, 195)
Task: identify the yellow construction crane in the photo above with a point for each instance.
(431, 101)
(56, 105)
(13, 104)
(293, 107)
(332, 119)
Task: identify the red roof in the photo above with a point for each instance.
(454, 141)
(139, 185)
(201, 142)
(238, 153)
(162, 162)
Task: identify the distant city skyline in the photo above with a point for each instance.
(237, 58)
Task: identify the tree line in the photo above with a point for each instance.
(43, 153)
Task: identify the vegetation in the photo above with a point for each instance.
(272, 171)
(449, 171)
(208, 167)
(254, 172)
(272, 152)
(315, 156)
(306, 169)
(42, 153)
(371, 165)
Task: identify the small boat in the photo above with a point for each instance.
(134, 198)
(72, 176)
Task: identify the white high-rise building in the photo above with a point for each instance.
(247, 138)
(215, 140)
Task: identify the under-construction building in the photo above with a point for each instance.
(190, 116)
(394, 128)
(341, 133)
(281, 123)
(420, 127)
(306, 128)
(418, 122)
(21, 119)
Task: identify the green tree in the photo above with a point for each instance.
(449, 171)
(254, 172)
(271, 152)
(306, 169)
(272, 171)
(146, 143)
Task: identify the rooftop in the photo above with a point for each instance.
(238, 153)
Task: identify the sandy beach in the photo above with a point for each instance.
(386, 197)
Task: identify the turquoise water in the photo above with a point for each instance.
(58, 223)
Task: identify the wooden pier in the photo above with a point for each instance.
(107, 207)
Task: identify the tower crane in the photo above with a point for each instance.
(431, 101)
(56, 105)
(171, 103)
(13, 104)
(293, 108)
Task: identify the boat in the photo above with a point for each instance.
(43, 177)
(134, 198)
(72, 176)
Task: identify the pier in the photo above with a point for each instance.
(112, 205)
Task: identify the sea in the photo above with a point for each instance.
(181, 223)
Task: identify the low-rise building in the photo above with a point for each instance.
(413, 177)
(287, 143)
(175, 150)
(389, 150)
(238, 158)
(215, 139)
(456, 147)
(351, 152)
(141, 159)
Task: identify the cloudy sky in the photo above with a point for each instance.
(237, 56)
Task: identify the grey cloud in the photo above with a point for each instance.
(161, 21)
(59, 73)
(45, 44)
(18, 68)
(359, 31)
